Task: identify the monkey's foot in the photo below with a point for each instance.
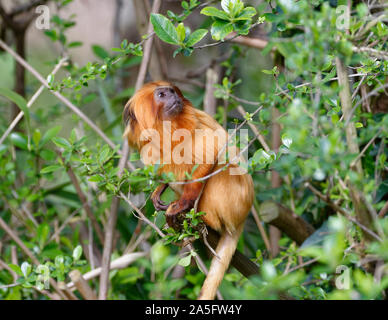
(176, 212)
(159, 204)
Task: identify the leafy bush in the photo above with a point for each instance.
(327, 103)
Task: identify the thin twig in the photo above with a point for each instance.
(342, 211)
(371, 93)
(302, 265)
(29, 254)
(383, 210)
(30, 103)
(63, 99)
(365, 148)
(256, 131)
(264, 235)
(83, 199)
(141, 215)
(118, 263)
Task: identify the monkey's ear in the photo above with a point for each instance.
(128, 114)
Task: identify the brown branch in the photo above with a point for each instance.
(352, 165)
(118, 263)
(82, 286)
(250, 42)
(229, 39)
(83, 199)
(256, 131)
(261, 228)
(383, 210)
(241, 262)
(19, 28)
(302, 265)
(351, 139)
(112, 219)
(287, 221)
(26, 7)
(209, 100)
(276, 182)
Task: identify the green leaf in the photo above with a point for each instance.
(61, 142)
(42, 234)
(226, 5)
(134, 156)
(180, 29)
(75, 44)
(36, 137)
(17, 99)
(286, 140)
(100, 52)
(195, 37)
(50, 169)
(51, 133)
(246, 14)
(214, 12)
(20, 102)
(16, 268)
(26, 269)
(19, 140)
(96, 178)
(185, 261)
(104, 154)
(164, 28)
(77, 252)
(220, 29)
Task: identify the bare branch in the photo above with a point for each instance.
(70, 105)
(118, 263)
(82, 286)
(30, 103)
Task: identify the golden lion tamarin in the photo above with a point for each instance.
(168, 130)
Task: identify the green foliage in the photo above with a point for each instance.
(342, 259)
(179, 35)
(233, 17)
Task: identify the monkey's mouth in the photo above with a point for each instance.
(174, 108)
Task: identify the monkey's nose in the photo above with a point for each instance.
(166, 92)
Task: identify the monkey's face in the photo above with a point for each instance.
(149, 107)
(168, 101)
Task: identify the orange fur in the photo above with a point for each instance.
(226, 198)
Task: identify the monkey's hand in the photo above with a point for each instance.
(158, 203)
(174, 213)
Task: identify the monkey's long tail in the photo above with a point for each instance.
(225, 250)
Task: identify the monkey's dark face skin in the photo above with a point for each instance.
(169, 100)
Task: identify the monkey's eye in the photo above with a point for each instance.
(161, 94)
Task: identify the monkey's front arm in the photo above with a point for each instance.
(185, 203)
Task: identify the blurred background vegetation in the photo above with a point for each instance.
(307, 78)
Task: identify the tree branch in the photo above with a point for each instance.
(287, 221)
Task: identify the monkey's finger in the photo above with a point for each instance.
(160, 206)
